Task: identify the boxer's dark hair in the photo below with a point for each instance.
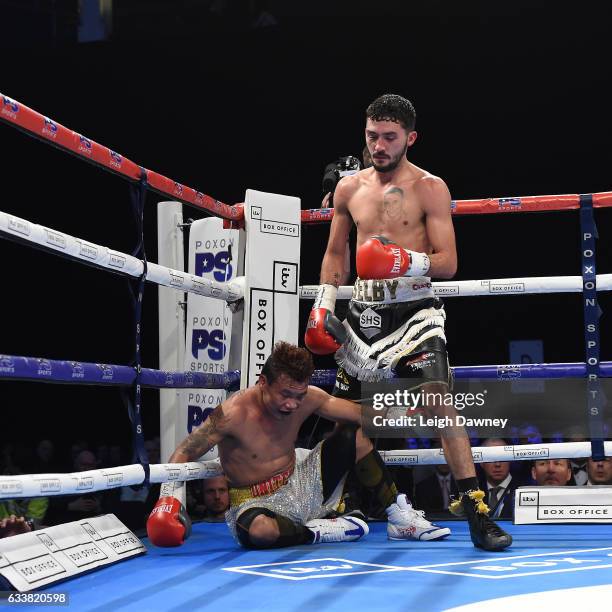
(288, 359)
(391, 107)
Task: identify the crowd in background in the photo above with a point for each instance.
(431, 488)
(207, 500)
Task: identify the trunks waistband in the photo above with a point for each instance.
(392, 290)
(239, 495)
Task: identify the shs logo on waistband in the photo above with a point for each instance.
(370, 323)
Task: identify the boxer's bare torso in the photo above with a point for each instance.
(256, 429)
(257, 445)
(395, 209)
(406, 205)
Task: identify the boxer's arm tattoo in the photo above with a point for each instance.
(333, 279)
(205, 437)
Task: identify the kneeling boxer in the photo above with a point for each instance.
(278, 494)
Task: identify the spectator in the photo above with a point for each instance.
(600, 472)
(77, 447)
(85, 460)
(45, 461)
(433, 494)
(14, 525)
(551, 472)
(579, 469)
(498, 483)
(17, 515)
(64, 509)
(216, 499)
(14, 512)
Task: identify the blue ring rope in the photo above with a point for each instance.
(37, 369)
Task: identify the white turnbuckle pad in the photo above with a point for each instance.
(272, 261)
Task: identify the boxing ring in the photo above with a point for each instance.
(370, 574)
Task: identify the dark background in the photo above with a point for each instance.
(509, 102)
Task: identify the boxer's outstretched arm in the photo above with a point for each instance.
(335, 408)
(169, 523)
(203, 438)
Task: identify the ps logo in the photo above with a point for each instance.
(218, 264)
(214, 341)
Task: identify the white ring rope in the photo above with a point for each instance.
(79, 249)
(488, 454)
(102, 256)
(495, 286)
(36, 485)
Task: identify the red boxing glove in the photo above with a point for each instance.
(168, 524)
(324, 332)
(379, 258)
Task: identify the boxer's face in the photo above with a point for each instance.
(387, 142)
(551, 472)
(284, 396)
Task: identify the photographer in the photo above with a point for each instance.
(344, 166)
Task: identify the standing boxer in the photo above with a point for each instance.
(395, 324)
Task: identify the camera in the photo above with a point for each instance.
(344, 166)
